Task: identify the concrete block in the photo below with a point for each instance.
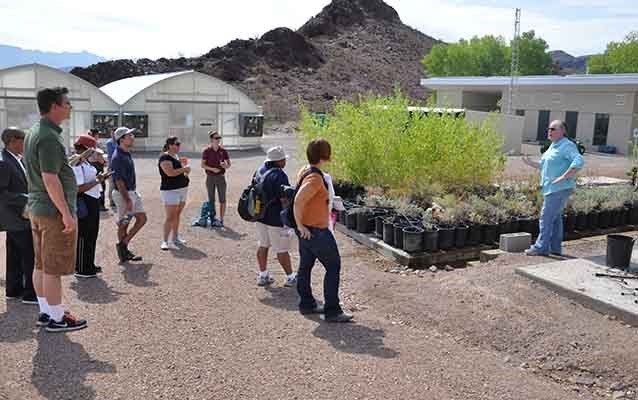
(515, 242)
(489, 255)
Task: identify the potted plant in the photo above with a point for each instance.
(408, 214)
(582, 206)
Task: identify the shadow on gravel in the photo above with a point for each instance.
(17, 322)
(228, 233)
(61, 366)
(95, 291)
(354, 338)
(138, 274)
(281, 297)
(189, 253)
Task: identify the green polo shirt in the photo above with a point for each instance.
(44, 152)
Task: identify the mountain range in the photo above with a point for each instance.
(11, 55)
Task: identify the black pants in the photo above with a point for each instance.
(20, 264)
(88, 228)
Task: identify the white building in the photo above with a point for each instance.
(600, 110)
(18, 105)
(186, 104)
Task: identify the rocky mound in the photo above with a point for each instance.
(351, 47)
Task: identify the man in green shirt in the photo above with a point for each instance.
(52, 209)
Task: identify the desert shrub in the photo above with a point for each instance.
(378, 142)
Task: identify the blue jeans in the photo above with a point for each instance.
(551, 222)
(323, 247)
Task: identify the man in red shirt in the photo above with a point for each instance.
(215, 161)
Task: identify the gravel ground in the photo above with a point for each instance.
(192, 324)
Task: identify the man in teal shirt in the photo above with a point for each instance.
(558, 166)
(52, 208)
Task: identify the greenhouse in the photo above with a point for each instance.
(18, 106)
(186, 104)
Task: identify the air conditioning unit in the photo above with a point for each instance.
(251, 125)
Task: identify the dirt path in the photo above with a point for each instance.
(193, 325)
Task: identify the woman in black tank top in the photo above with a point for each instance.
(173, 191)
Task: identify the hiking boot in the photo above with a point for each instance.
(132, 257)
(68, 323)
(316, 310)
(265, 281)
(341, 317)
(121, 252)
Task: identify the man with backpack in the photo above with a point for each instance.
(270, 230)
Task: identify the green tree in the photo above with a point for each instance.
(488, 56)
(619, 57)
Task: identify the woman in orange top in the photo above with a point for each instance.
(316, 241)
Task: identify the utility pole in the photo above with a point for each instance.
(514, 66)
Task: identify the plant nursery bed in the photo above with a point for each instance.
(414, 260)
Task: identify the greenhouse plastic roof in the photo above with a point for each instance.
(125, 89)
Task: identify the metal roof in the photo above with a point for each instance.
(125, 89)
(531, 81)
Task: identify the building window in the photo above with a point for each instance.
(520, 113)
(601, 126)
(620, 99)
(105, 123)
(571, 119)
(543, 124)
(138, 121)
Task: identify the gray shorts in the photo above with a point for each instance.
(138, 207)
(216, 182)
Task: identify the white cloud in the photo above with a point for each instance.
(135, 29)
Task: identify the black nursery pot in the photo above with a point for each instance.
(581, 222)
(363, 222)
(474, 235)
(505, 227)
(431, 240)
(526, 225)
(351, 221)
(592, 220)
(490, 234)
(514, 226)
(615, 218)
(569, 223)
(604, 219)
(388, 231)
(412, 239)
(341, 217)
(378, 226)
(398, 234)
(624, 216)
(446, 238)
(633, 215)
(460, 236)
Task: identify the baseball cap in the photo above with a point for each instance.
(276, 153)
(86, 141)
(123, 131)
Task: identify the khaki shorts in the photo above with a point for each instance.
(54, 251)
(273, 236)
(138, 207)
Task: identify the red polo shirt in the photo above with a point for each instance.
(213, 159)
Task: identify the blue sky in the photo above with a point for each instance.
(142, 28)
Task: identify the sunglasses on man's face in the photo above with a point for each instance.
(216, 138)
(551, 129)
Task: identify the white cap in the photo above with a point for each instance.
(276, 153)
(123, 131)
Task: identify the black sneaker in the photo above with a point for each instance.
(121, 252)
(132, 257)
(341, 317)
(68, 323)
(43, 319)
(85, 275)
(29, 300)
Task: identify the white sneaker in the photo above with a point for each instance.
(291, 281)
(168, 246)
(265, 281)
(180, 241)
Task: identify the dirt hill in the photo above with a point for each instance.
(350, 47)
